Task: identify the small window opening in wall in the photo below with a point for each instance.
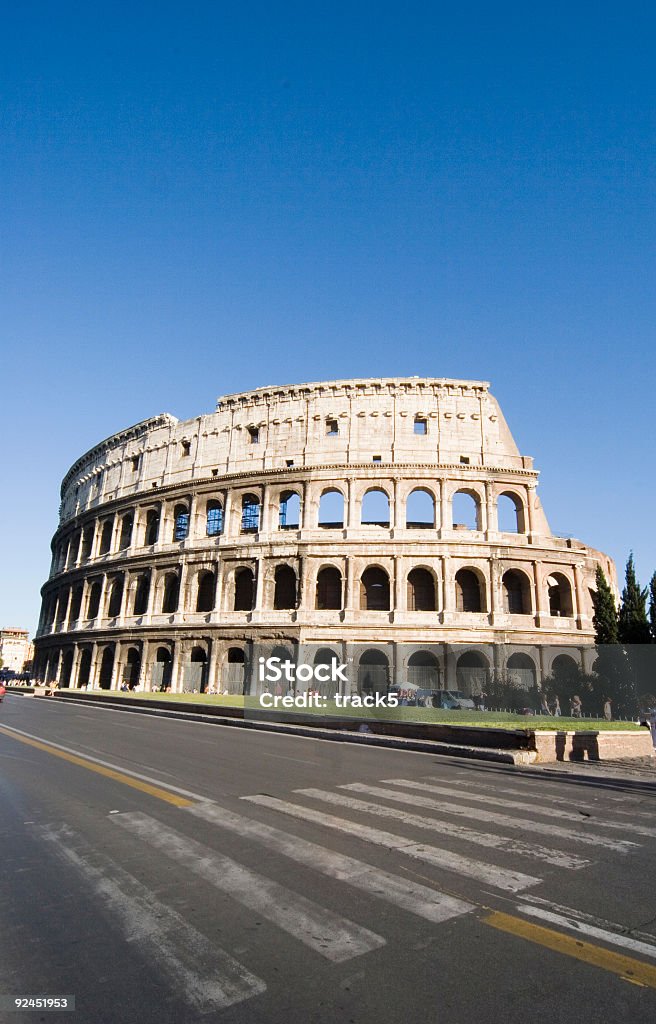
(421, 425)
(464, 459)
(332, 428)
(289, 462)
(215, 472)
(254, 435)
(135, 463)
(377, 458)
(186, 447)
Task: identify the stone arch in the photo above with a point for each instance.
(141, 594)
(234, 671)
(516, 588)
(84, 668)
(106, 537)
(180, 521)
(373, 672)
(250, 513)
(77, 593)
(161, 669)
(375, 507)
(375, 589)
(289, 510)
(152, 526)
(331, 509)
(511, 515)
(93, 601)
(472, 672)
(564, 667)
(326, 656)
(424, 670)
(470, 591)
(205, 595)
(66, 669)
(125, 538)
(195, 670)
(170, 593)
(420, 509)
(559, 590)
(115, 597)
(421, 590)
(106, 668)
(132, 668)
(87, 541)
(213, 518)
(329, 589)
(466, 509)
(244, 589)
(285, 588)
(521, 668)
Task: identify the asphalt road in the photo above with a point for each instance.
(166, 871)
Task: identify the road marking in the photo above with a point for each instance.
(617, 963)
(425, 902)
(509, 845)
(614, 938)
(505, 820)
(500, 878)
(207, 975)
(171, 795)
(334, 937)
(519, 805)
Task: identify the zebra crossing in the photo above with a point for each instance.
(347, 815)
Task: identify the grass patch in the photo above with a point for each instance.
(426, 716)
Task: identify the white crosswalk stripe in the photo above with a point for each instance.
(508, 845)
(500, 878)
(477, 814)
(518, 805)
(209, 978)
(414, 898)
(573, 796)
(334, 937)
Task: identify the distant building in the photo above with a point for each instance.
(16, 651)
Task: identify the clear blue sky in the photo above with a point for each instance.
(201, 198)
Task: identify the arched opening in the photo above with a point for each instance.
(180, 522)
(152, 526)
(516, 593)
(126, 532)
(373, 673)
(93, 603)
(510, 513)
(375, 590)
(331, 510)
(84, 669)
(214, 520)
(466, 511)
(171, 593)
(141, 595)
(106, 536)
(469, 592)
(564, 668)
(424, 670)
(289, 515)
(132, 669)
(244, 590)
(87, 542)
(76, 603)
(329, 589)
(521, 671)
(560, 595)
(206, 591)
(420, 510)
(66, 669)
(234, 671)
(284, 595)
(195, 672)
(106, 668)
(62, 605)
(162, 667)
(472, 671)
(115, 598)
(421, 591)
(326, 687)
(375, 508)
(250, 513)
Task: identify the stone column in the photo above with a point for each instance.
(492, 510)
(540, 609)
(445, 521)
(227, 512)
(212, 668)
(265, 511)
(577, 603)
(259, 584)
(449, 602)
(400, 591)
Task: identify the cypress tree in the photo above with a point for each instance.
(605, 618)
(652, 607)
(613, 670)
(634, 629)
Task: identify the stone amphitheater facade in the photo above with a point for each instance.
(327, 518)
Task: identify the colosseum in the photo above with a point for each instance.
(389, 523)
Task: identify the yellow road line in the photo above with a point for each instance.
(109, 773)
(625, 966)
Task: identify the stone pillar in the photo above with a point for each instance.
(265, 511)
(212, 668)
(227, 512)
(259, 584)
(116, 533)
(540, 610)
(349, 586)
(93, 668)
(496, 605)
(400, 591)
(396, 509)
(117, 667)
(577, 602)
(182, 591)
(530, 498)
(349, 511)
(492, 510)
(445, 521)
(449, 602)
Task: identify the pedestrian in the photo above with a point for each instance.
(608, 710)
(575, 707)
(482, 699)
(556, 708)
(544, 705)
